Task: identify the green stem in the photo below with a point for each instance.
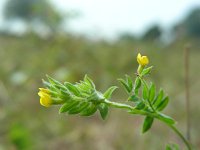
(119, 105)
(181, 136)
(154, 115)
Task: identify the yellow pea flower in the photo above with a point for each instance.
(45, 98)
(142, 60)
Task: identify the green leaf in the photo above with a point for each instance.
(158, 98)
(136, 91)
(46, 84)
(146, 71)
(84, 86)
(103, 109)
(147, 124)
(54, 81)
(129, 82)
(168, 147)
(145, 92)
(163, 104)
(166, 119)
(152, 92)
(88, 80)
(126, 86)
(137, 83)
(140, 105)
(172, 147)
(67, 106)
(65, 94)
(109, 92)
(96, 97)
(72, 88)
(58, 86)
(91, 109)
(78, 108)
(133, 98)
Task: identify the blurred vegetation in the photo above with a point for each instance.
(152, 34)
(26, 59)
(34, 13)
(190, 26)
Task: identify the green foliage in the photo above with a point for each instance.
(79, 98)
(148, 121)
(109, 92)
(172, 147)
(150, 102)
(19, 136)
(163, 104)
(146, 71)
(152, 92)
(137, 85)
(83, 98)
(127, 83)
(133, 98)
(145, 92)
(103, 109)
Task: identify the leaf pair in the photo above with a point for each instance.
(127, 83)
(159, 101)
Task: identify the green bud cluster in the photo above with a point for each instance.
(79, 98)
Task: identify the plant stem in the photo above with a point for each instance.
(187, 88)
(181, 136)
(154, 115)
(119, 105)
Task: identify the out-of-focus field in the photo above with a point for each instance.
(25, 124)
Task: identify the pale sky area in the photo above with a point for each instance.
(110, 17)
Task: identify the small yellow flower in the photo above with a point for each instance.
(45, 98)
(142, 60)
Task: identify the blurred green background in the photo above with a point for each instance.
(43, 47)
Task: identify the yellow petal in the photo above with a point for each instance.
(142, 60)
(45, 98)
(45, 101)
(139, 58)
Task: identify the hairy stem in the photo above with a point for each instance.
(119, 105)
(133, 110)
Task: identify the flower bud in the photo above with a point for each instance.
(45, 98)
(142, 60)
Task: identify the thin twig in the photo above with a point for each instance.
(187, 89)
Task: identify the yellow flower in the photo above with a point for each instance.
(45, 98)
(142, 60)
